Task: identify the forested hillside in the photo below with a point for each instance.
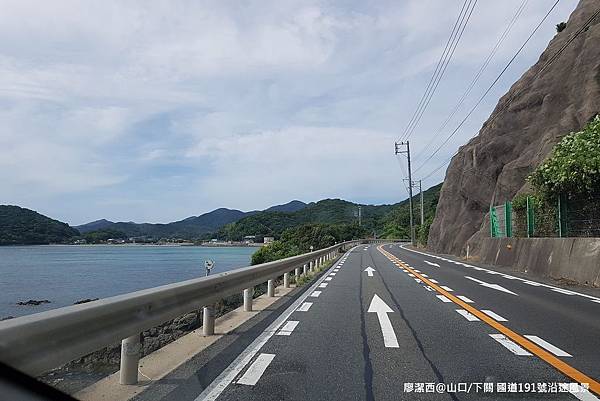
(390, 221)
(20, 226)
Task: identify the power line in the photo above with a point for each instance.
(489, 88)
(553, 58)
(453, 40)
(476, 78)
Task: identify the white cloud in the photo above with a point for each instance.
(106, 100)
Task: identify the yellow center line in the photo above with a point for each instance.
(541, 353)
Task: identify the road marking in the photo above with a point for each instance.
(428, 288)
(304, 307)
(545, 344)
(256, 370)
(540, 352)
(411, 275)
(418, 271)
(418, 280)
(226, 377)
(369, 271)
(322, 285)
(434, 281)
(467, 300)
(379, 307)
(511, 346)
(447, 288)
(467, 315)
(424, 275)
(494, 315)
(332, 274)
(532, 283)
(287, 328)
(489, 285)
(443, 298)
(328, 278)
(566, 292)
(315, 294)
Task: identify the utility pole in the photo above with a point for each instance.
(422, 212)
(359, 215)
(398, 150)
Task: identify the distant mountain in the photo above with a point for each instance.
(289, 207)
(94, 226)
(20, 226)
(191, 227)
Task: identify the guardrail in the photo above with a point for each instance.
(43, 341)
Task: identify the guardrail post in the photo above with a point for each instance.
(130, 358)
(305, 269)
(208, 321)
(286, 280)
(311, 263)
(297, 272)
(248, 299)
(271, 288)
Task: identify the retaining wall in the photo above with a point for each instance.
(576, 259)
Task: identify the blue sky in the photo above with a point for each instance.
(158, 110)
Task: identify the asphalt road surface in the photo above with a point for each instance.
(389, 323)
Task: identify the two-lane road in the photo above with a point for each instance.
(387, 323)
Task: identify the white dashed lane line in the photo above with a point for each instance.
(443, 298)
(494, 316)
(315, 294)
(548, 347)
(470, 317)
(288, 328)
(446, 288)
(256, 370)
(510, 345)
(463, 298)
(304, 307)
(322, 285)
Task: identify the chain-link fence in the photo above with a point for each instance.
(531, 216)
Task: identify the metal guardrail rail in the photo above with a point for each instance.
(43, 341)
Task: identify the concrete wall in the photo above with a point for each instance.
(576, 259)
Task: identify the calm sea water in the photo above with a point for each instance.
(65, 274)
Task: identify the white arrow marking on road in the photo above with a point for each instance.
(493, 286)
(369, 271)
(382, 309)
(431, 264)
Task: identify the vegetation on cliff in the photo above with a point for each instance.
(573, 167)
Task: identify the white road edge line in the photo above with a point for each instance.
(256, 370)
(510, 345)
(547, 346)
(214, 389)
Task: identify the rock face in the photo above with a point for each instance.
(527, 122)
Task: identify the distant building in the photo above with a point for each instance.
(268, 240)
(249, 239)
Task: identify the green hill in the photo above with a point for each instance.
(391, 221)
(20, 226)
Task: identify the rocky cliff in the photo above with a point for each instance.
(540, 108)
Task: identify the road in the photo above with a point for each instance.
(389, 323)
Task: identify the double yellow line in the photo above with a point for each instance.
(541, 353)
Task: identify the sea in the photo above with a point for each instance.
(64, 274)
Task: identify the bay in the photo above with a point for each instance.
(64, 274)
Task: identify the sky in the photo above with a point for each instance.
(153, 111)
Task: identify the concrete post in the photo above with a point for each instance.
(286, 280)
(130, 358)
(305, 269)
(297, 272)
(208, 321)
(311, 265)
(271, 288)
(248, 292)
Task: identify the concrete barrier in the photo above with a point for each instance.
(574, 259)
